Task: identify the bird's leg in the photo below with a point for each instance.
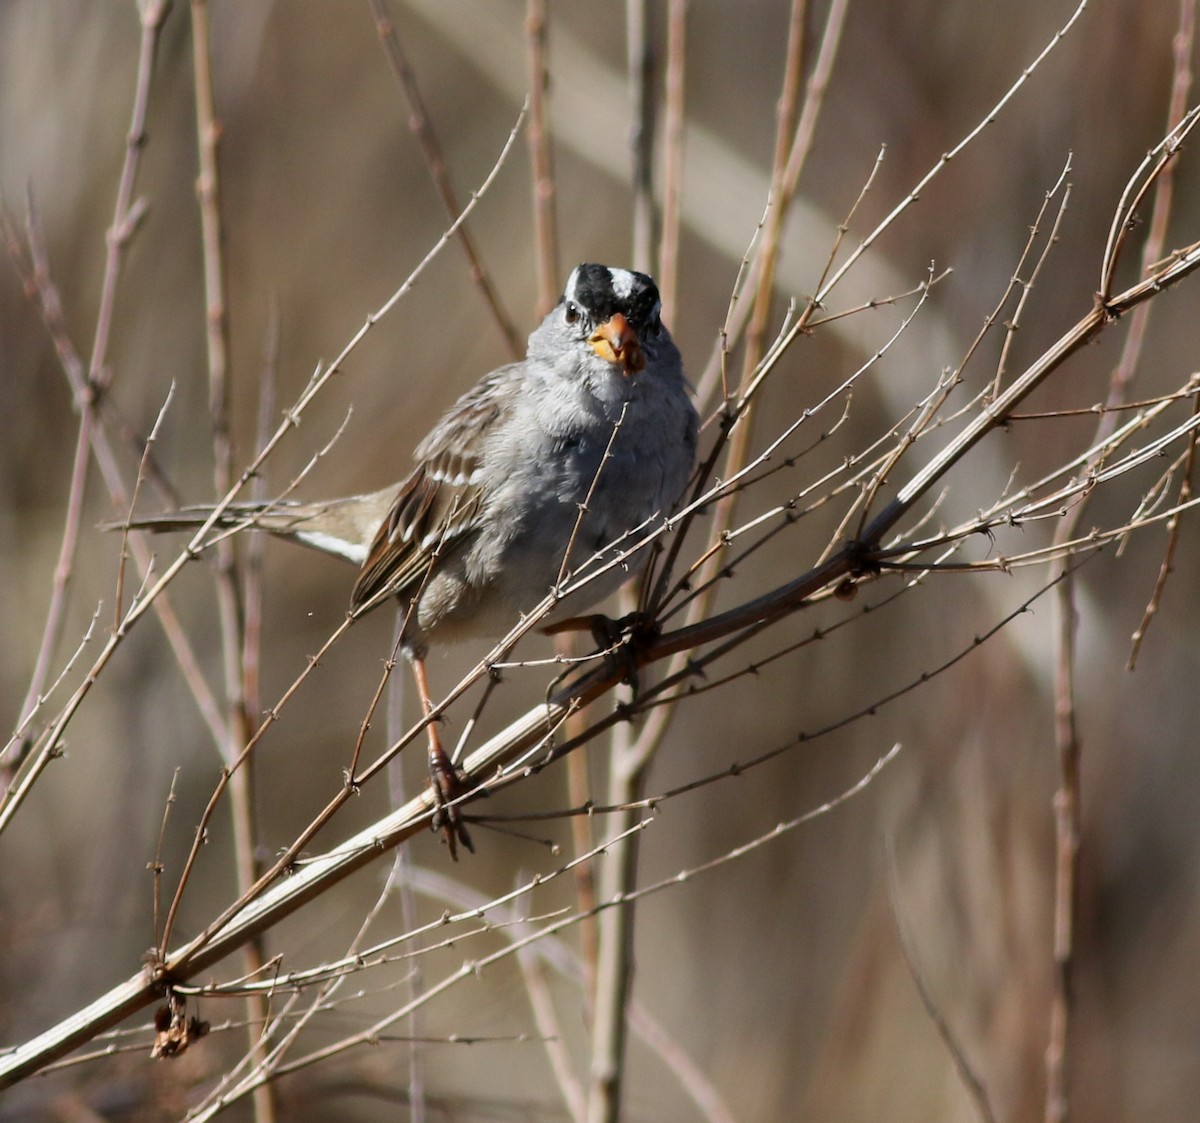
(447, 783)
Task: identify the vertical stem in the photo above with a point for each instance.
(229, 607)
(35, 274)
(208, 192)
(668, 257)
(152, 15)
(399, 882)
(1068, 797)
(641, 135)
(62, 573)
(614, 967)
(742, 433)
(785, 123)
(546, 267)
(618, 872)
(1066, 829)
(545, 227)
(579, 793)
(655, 728)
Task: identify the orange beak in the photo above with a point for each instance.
(616, 342)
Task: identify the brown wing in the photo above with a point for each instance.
(436, 505)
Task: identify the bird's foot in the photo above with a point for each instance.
(620, 640)
(448, 787)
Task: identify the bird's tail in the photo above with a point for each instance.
(343, 528)
(274, 517)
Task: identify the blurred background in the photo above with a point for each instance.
(783, 976)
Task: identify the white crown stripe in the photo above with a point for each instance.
(622, 282)
(572, 281)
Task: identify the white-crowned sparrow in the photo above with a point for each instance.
(588, 439)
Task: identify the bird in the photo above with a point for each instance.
(550, 465)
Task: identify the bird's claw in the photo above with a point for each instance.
(448, 787)
(620, 640)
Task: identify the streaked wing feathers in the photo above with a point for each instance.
(438, 502)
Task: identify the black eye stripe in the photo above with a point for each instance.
(591, 287)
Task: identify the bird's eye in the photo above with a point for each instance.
(571, 312)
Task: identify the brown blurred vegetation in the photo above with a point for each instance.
(783, 975)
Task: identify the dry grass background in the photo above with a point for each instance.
(783, 975)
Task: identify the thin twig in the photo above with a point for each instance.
(545, 1017)
(422, 126)
(119, 597)
(374, 1032)
(252, 583)
(289, 894)
(56, 611)
(989, 118)
(1168, 562)
(565, 567)
(1026, 287)
(20, 732)
(156, 867)
(962, 1065)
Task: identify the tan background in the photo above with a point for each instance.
(781, 975)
